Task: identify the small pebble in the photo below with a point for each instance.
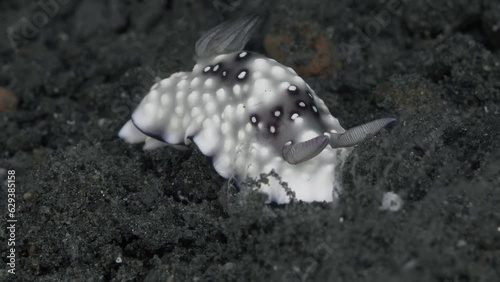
(29, 196)
(38, 155)
(7, 100)
(391, 202)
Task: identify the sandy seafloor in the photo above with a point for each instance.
(93, 208)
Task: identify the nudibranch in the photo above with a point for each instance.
(252, 115)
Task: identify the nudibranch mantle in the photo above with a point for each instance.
(252, 115)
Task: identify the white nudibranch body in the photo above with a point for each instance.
(252, 115)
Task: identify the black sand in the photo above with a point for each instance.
(92, 208)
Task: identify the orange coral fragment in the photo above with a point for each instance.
(7, 100)
(321, 60)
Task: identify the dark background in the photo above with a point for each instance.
(93, 208)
